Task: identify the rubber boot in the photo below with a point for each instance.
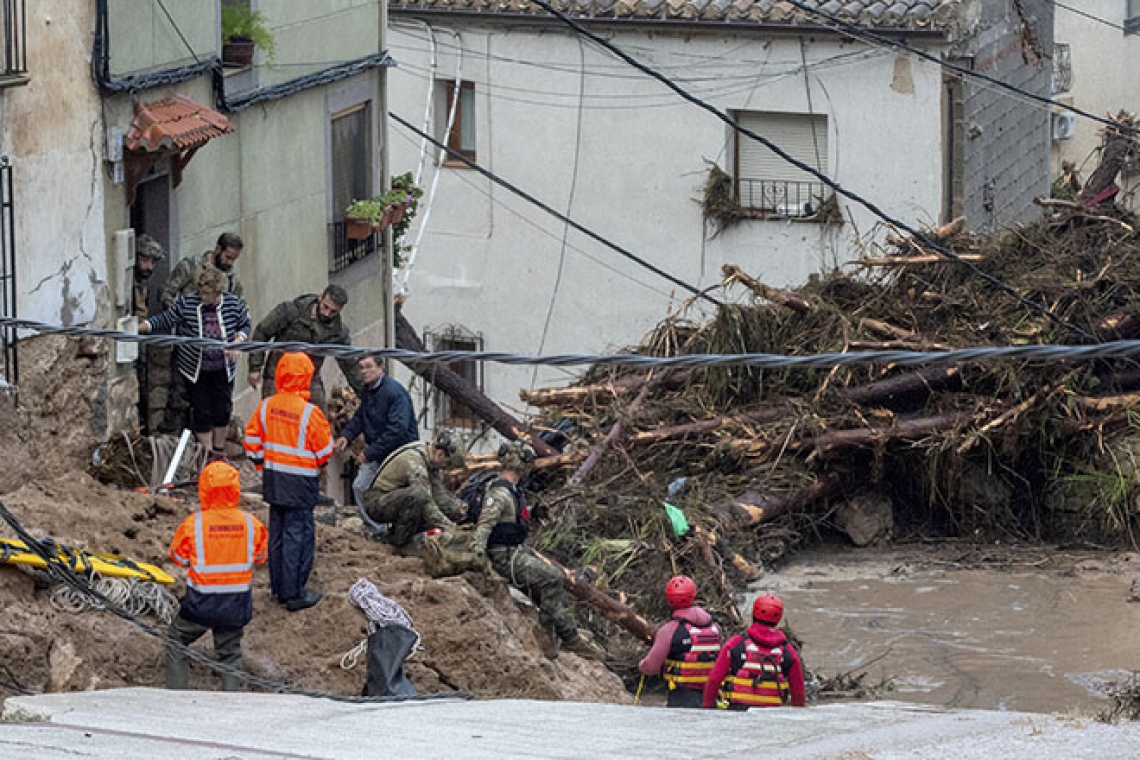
(177, 671)
(230, 682)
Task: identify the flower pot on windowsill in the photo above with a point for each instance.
(238, 52)
(357, 228)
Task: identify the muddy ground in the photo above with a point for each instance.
(476, 637)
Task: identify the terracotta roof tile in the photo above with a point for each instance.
(174, 123)
(936, 15)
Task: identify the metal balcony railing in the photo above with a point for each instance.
(346, 251)
(14, 16)
(782, 198)
(9, 338)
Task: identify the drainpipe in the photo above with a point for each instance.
(387, 276)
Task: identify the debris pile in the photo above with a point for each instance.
(1009, 450)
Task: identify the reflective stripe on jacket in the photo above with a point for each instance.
(219, 547)
(289, 438)
(760, 681)
(692, 654)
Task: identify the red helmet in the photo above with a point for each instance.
(768, 608)
(680, 591)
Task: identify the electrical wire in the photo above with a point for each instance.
(178, 31)
(839, 189)
(548, 209)
(1087, 15)
(539, 228)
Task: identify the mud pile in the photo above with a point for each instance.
(475, 636)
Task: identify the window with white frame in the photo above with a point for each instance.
(461, 137)
(765, 182)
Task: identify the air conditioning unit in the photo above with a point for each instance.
(1064, 125)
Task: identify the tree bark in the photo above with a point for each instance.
(705, 426)
(1112, 160)
(599, 448)
(753, 508)
(909, 387)
(611, 609)
(775, 295)
(460, 389)
(1121, 325)
(602, 392)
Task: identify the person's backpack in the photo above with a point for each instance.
(471, 494)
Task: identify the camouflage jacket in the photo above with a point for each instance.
(296, 320)
(184, 279)
(408, 466)
(499, 506)
(139, 297)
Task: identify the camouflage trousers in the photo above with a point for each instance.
(539, 580)
(409, 510)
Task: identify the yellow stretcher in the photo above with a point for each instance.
(15, 552)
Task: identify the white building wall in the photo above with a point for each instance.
(1104, 62)
(627, 158)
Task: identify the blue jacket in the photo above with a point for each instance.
(386, 418)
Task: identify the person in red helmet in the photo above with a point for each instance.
(758, 668)
(684, 648)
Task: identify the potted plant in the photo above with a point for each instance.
(242, 31)
(362, 218)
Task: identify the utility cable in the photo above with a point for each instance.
(60, 571)
(1087, 15)
(1047, 352)
(865, 34)
(178, 31)
(852, 196)
(548, 209)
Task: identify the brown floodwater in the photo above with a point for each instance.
(1041, 633)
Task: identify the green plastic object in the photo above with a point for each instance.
(677, 519)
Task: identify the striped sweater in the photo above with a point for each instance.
(184, 317)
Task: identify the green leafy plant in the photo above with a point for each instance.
(370, 209)
(404, 191)
(244, 25)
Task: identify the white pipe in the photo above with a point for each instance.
(176, 459)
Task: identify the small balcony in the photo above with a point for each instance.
(347, 251)
(785, 199)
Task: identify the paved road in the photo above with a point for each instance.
(151, 723)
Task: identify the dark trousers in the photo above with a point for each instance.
(227, 648)
(682, 697)
(292, 543)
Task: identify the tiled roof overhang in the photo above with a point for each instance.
(176, 123)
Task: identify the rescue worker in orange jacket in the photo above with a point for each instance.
(758, 668)
(685, 648)
(219, 546)
(289, 440)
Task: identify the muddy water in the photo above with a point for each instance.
(1040, 633)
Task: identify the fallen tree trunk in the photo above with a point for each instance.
(753, 508)
(825, 443)
(482, 464)
(599, 448)
(602, 392)
(581, 589)
(904, 387)
(902, 261)
(463, 391)
(705, 426)
(775, 295)
(1121, 325)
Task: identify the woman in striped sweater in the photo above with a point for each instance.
(209, 312)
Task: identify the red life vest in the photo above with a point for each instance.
(757, 677)
(691, 655)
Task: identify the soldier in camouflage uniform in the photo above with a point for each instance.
(148, 252)
(307, 319)
(183, 280)
(408, 491)
(500, 531)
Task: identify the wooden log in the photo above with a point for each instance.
(704, 426)
(463, 391)
(1119, 144)
(482, 464)
(600, 448)
(775, 295)
(706, 540)
(902, 430)
(1121, 325)
(908, 387)
(912, 260)
(581, 394)
(581, 589)
(753, 508)
(1108, 403)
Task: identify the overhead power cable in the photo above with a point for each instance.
(1086, 14)
(865, 34)
(557, 214)
(1122, 349)
(870, 206)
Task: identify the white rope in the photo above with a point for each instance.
(136, 596)
(352, 656)
(381, 612)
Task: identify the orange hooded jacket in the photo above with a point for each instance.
(289, 438)
(219, 546)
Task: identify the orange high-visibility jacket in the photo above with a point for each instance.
(219, 546)
(289, 438)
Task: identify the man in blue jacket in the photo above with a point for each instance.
(385, 417)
